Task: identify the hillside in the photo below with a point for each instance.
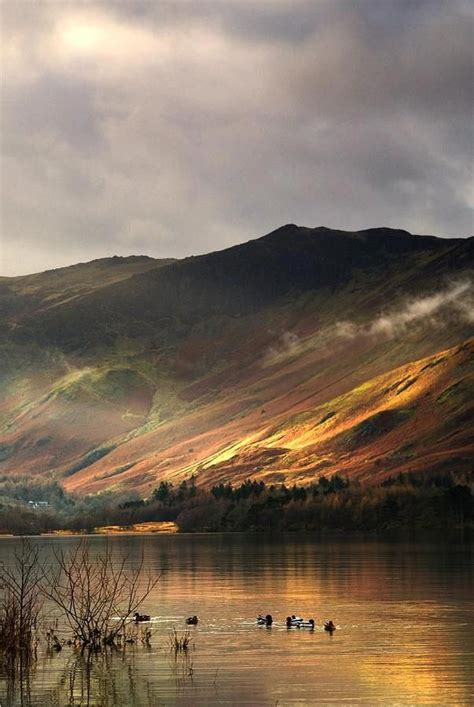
(302, 353)
(26, 295)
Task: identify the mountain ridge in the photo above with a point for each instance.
(113, 386)
(245, 277)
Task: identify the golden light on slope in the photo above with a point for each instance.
(229, 452)
(218, 442)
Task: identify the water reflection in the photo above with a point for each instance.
(404, 612)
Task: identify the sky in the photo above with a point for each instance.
(178, 128)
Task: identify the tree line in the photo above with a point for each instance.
(407, 501)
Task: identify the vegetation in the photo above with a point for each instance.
(21, 514)
(406, 502)
(94, 597)
(97, 596)
(196, 358)
(179, 642)
(90, 458)
(20, 604)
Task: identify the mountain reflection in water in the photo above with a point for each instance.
(404, 613)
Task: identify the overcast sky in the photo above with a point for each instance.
(175, 128)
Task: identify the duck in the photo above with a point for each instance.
(329, 626)
(56, 643)
(192, 620)
(265, 620)
(293, 621)
(140, 617)
(307, 624)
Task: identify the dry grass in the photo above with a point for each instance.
(179, 643)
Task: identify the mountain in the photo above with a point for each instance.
(303, 353)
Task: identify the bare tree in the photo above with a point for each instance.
(20, 601)
(97, 595)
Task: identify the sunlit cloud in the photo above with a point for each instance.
(97, 38)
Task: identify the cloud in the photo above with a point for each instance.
(179, 128)
(423, 308)
(457, 299)
(284, 346)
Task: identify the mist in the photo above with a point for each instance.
(456, 299)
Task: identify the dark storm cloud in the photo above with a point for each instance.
(172, 128)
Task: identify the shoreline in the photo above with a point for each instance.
(169, 528)
(146, 528)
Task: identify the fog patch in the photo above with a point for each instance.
(285, 345)
(456, 299)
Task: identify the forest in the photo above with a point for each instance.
(404, 502)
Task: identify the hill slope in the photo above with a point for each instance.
(306, 352)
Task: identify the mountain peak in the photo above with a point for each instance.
(289, 229)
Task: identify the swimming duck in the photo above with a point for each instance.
(192, 620)
(265, 620)
(329, 626)
(56, 643)
(293, 621)
(140, 617)
(307, 624)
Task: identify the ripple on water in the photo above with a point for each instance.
(403, 610)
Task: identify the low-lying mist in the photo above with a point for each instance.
(434, 310)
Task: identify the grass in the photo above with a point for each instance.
(179, 642)
(6, 450)
(459, 392)
(119, 470)
(90, 458)
(326, 417)
(121, 357)
(373, 427)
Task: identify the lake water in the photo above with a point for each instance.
(404, 612)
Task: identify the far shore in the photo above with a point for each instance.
(150, 527)
(146, 527)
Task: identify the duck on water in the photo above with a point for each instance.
(264, 620)
(140, 617)
(298, 622)
(293, 620)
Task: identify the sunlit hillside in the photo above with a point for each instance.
(304, 353)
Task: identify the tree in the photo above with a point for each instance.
(97, 596)
(163, 492)
(20, 603)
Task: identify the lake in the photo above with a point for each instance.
(404, 614)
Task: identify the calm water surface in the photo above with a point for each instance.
(404, 612)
